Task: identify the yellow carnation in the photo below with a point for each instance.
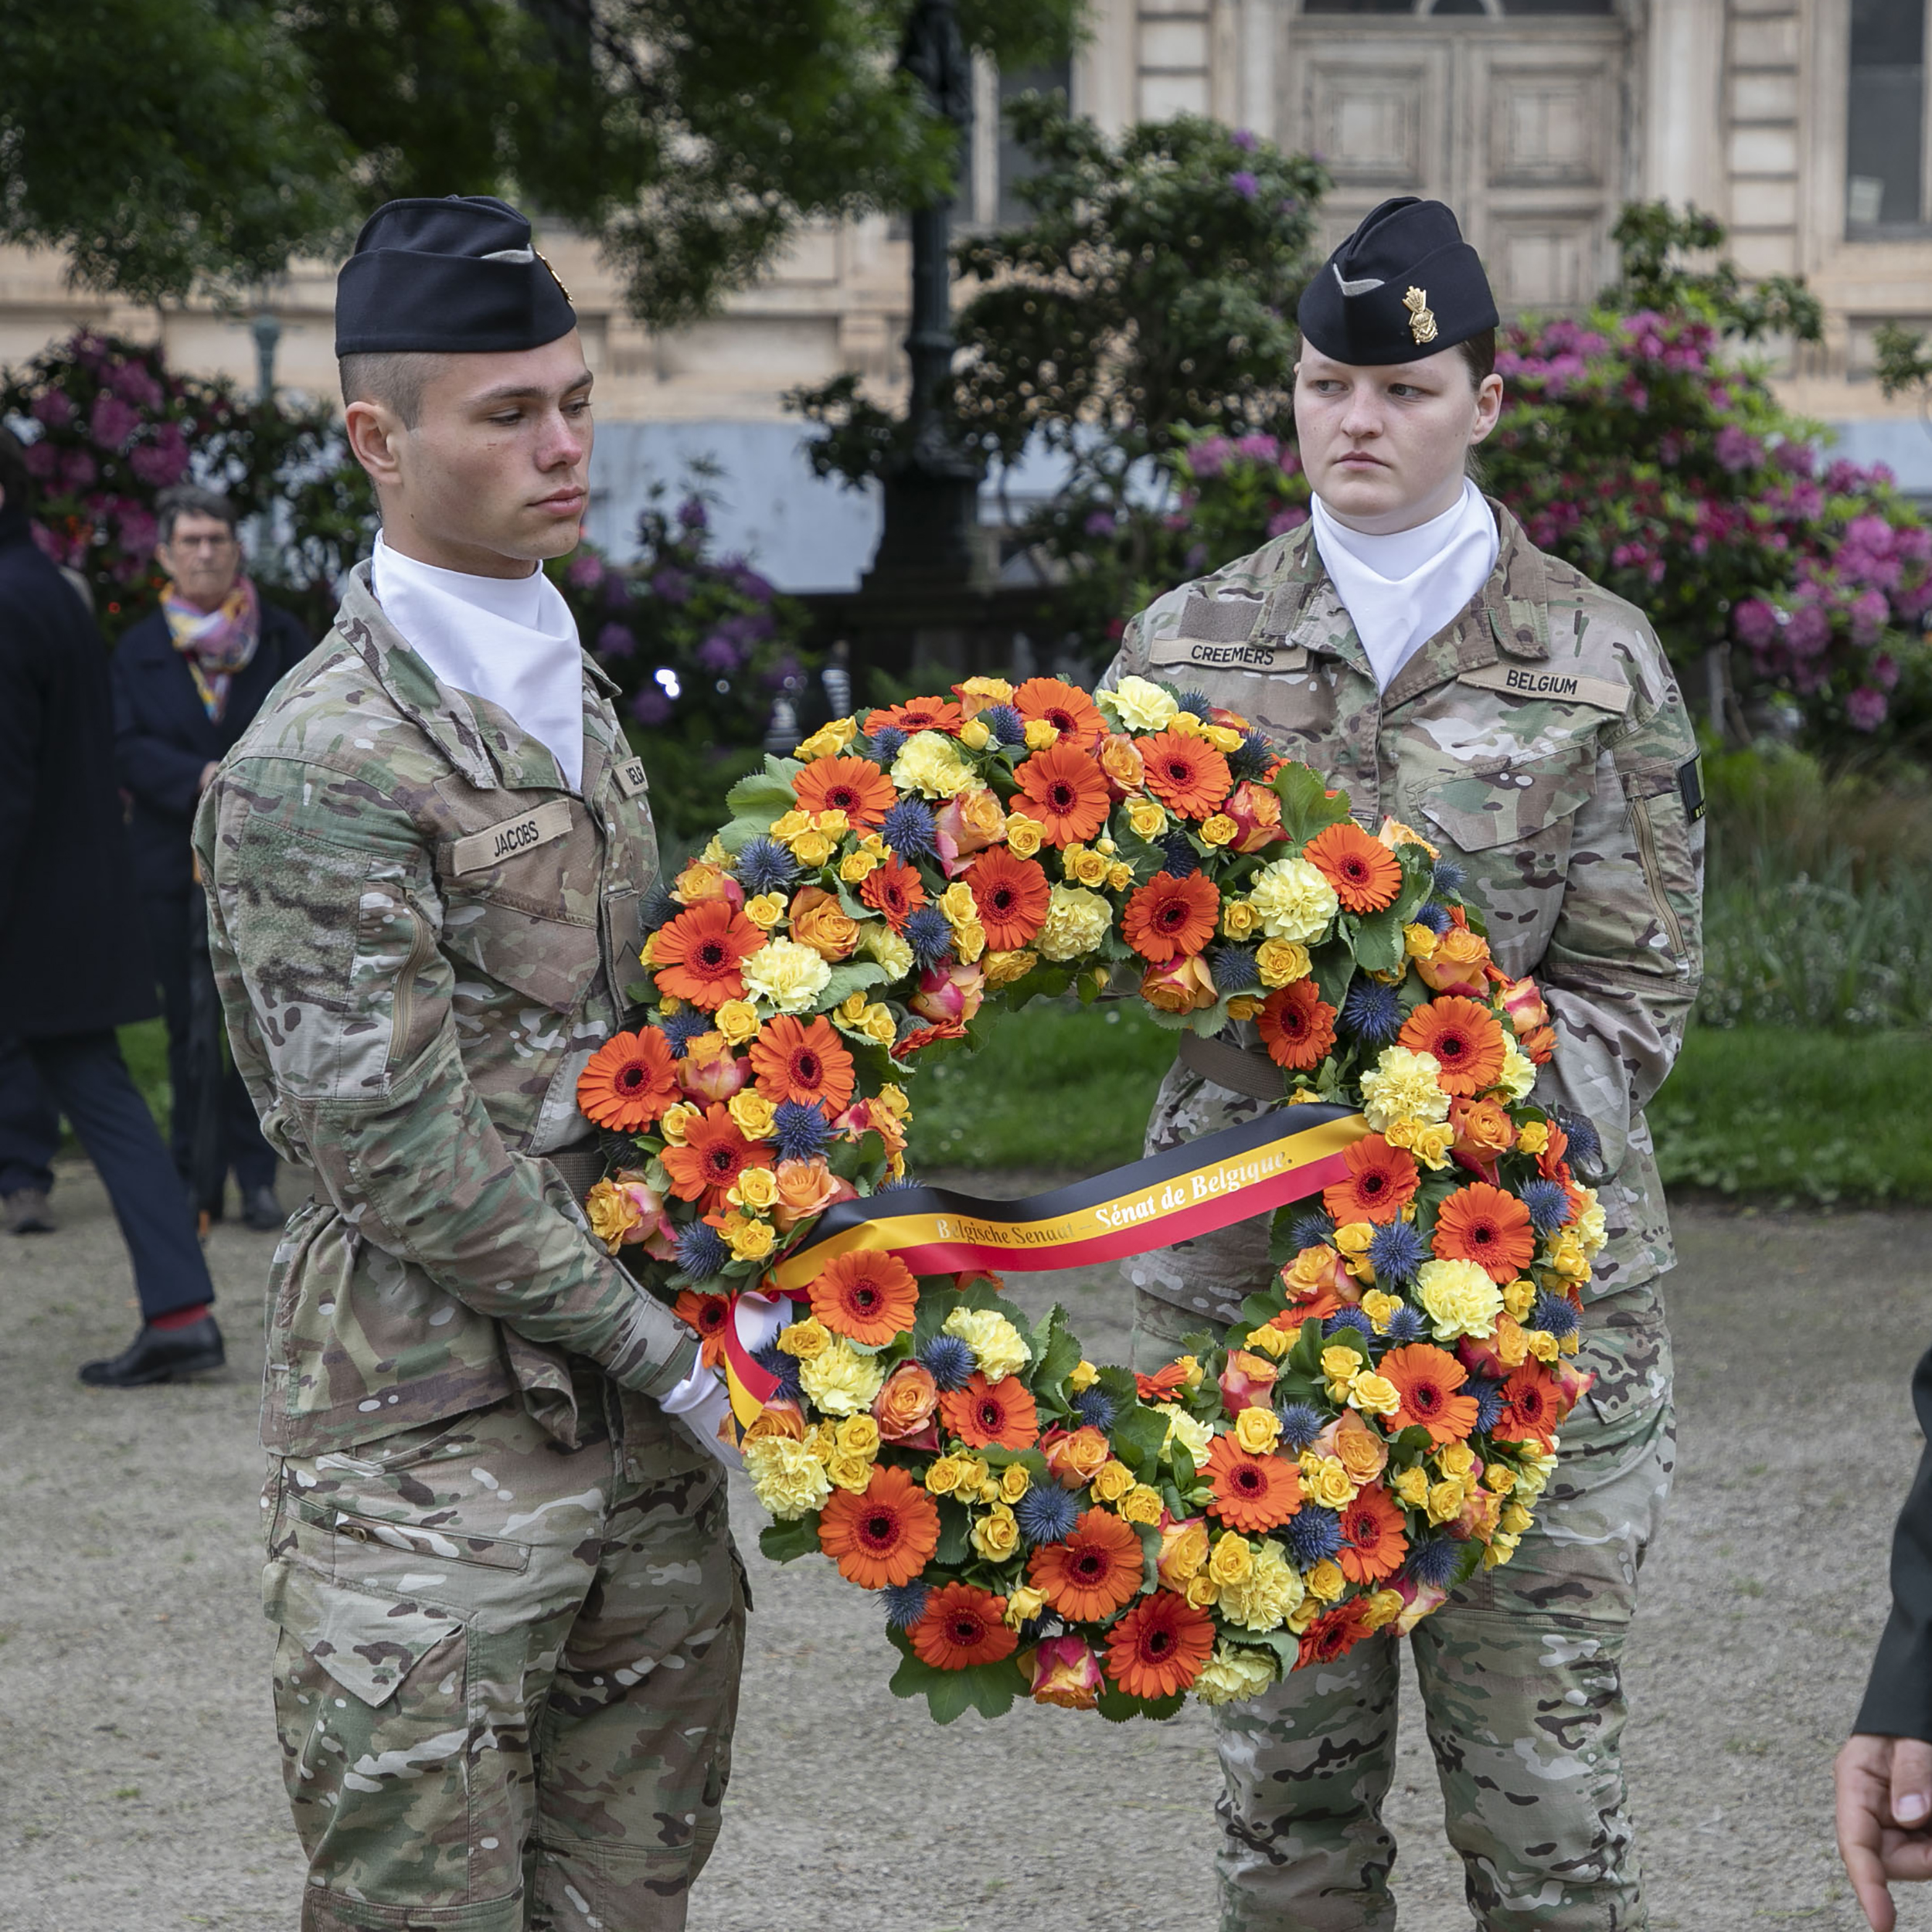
(1459, 1298)
(1076, 922)
(931, 763)
(1136, 705)
(841, 1381)
(786, 975)
(997, 1346)
(1294, 900)
(1268, 1595)
(1232, 1675)
(878, 939)
(786, 1477)
(1518, 1073)
(1404, 1085)
(1197, 1437)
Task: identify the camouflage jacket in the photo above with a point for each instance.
(421, 937)
(1541, 740)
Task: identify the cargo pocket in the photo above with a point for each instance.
(1508, 802)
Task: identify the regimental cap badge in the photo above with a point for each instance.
(565, 293)
(1422, 317)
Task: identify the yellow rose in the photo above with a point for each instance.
(1511, 1344)
(677, 1118)
(819, 921)
(1445, 1502)
(1258, 1430)
(833, 824)
(1516, 1519)
(1001, 969)
(1418, 942)
(1542, 1344)
(1294, 900)
(786, 1477)
(930, 762)
(850, 1010)
(1082, 1376)
(942, 1476)
(788, 827)
(764, 912)
(856, 867)
(1111, 1481)
(858, 1436)
(1239, 919)
(1223, 738)
(1374, 1394)
(972, 1476)
(1299, 1619)
(1353, 1237)
(969, 941)
(1023, 835)
(1141, 1504)
(1500, 1476)
(996, 1534)
(973, 735)
(1270, 1593)
(841, 1381)
(748, 1240)
(1378, 1306)
(805, 1339)
(1245, 1006)
(1185, 723)
(1383, 1607)
(1220, 829)
(1137, 705)
(895, 1099)
(611, 1212)
(813, 848)
(1431, 1145)
(828, 740)
(753, 1114)
(878, 1025)
(1456, 1459)
(1023, 1605)
(1341, 1364)
(1325, 1582)
(1232, 1559)
(1533, 1136)
(1040, 735)
(850, 1472)
(1146, 817)
(1203, 1591)
(1501, 1548)
(1232, 1674)
(1015, 1480)
(1120, 875)
(786, 975)
(1412, 1485)
(1330, 1484)
(1087, 868)
(1280, 962)
(1271, 1342)
(1520, 1297)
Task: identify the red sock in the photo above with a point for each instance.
(179, 1318)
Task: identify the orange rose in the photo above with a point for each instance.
(1247, 1383)
(1181, 986)
(1478, 1517)
(806, 1188)
(1184, 1549)
(1483, 1129)
(710, 1070)
(1120, 760)
(1318, 1282)
(819, 921)
(872, 1116)
(1256, 811)
(780, 1417)
(967, 824)
(905, 1405)
(1522, 1000)
(1459, 965)
(698, 882)
(1066, 1671)
(1074, 1456)
(1360, 1449)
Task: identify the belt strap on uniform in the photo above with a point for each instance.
(581, 1167)
(1234, 1067)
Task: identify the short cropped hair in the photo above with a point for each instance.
(189, 499)
(1479, 351)
(16, 480)
(395, 378)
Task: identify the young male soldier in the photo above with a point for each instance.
(511, 1615)
(1415, 647)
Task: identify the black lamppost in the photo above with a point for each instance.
(931, 539)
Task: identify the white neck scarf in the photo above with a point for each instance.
(510, 640)
(1401, 588)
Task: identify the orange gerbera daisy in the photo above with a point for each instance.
(885, 1536)
(802, 1060)
(1091, 1572)
(1531, 1405)
(1298, 1026)
(713, 1155)
(1164, 1384)
(1159, 1646)
(854, 786)
(1066, 707)
(1252, 1492)
(1066, 791)
(871, 1297)
(1366, 875)
(1011, 895)
(1483, 1224)
(1373, 1539)
(1333, 1634)
(990, 1415)
(1381, 1182)
(631, 1079)
(1427, 1379)
(1186, 774)
(916, 714)
(1465, 1039)
(697, 956)
(895, 889)
(963, 1626)
(707, 1315)
(1170, 918)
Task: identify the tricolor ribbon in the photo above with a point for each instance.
(1232, 1175)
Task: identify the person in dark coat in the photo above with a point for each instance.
(1884, 1773)
(29, 1133)
(74, 963)
(188, 680)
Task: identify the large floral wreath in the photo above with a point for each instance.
(1373, 1428)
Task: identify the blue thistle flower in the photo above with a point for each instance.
(909, 827)
(1433, 1562)
(1197, 702)
(1301, 1424)
(1250, 758)
(1448, 876)
(1181, 857)
(680, 1029)
(702, 1252)
(1489, 1403)
(1233, 967)
(887, 743)
(1405, 1325)
(1349, 1318)
(1006, 725)
(948, 1360)
(1314, 1534)
(1435, 918)
(930, 936)
(800, 1128)
(1372, 1012)
(1046, 1513)
(773, 1360)
(905, 1603)
(1586, 1144)
(1397, 1252)
(765, 866)
(1095, 1405)
(1548, 1203)
(1553, 1313)
(892, 1186)
(659, 909)
(1315, 1228)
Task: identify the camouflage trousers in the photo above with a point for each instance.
(508, 1672)
(1521, 1674)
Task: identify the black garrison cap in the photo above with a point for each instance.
(458, 275)
(1404, 285)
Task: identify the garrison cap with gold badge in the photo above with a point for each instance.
(458, 275)
(1404, 285)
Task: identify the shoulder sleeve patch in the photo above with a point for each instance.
(1551, 686)
(1690, 786)
(1219, 620)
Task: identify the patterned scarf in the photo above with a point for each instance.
(215, 644)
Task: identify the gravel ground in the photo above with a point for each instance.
(139, 1788)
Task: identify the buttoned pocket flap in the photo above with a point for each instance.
(1484, 806)
(367, 1644)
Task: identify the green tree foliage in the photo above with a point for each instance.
(1654, 239)
(172, 142)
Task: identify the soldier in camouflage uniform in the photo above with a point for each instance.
(1539, 739)
(511, 1615)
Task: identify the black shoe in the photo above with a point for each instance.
(27, 1212)
(261, 1211)
(160, 1355)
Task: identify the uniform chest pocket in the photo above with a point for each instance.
(1515, 801)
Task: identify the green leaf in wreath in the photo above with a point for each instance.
(1307, 807)
(1057, 1350)
(784, 1543)
(768, 792)
(1378, 941)
(1117, 1708)
(955, 1532)
(1138, 1436)
(1333, 966)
